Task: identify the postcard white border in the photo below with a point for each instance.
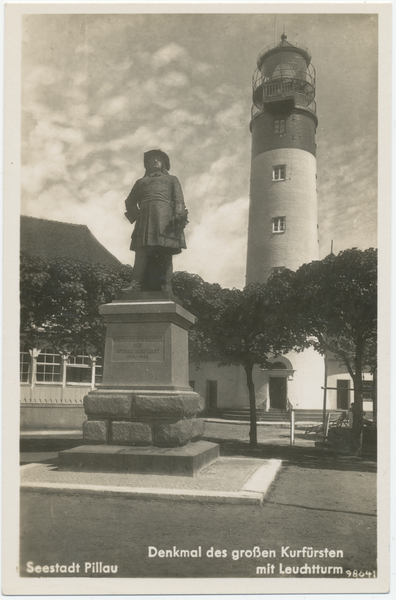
(12, 584)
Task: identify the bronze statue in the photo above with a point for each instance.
(157, 206)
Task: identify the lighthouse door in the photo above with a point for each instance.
(277, 390)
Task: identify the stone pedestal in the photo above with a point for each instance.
(146, 342)
(145, 399)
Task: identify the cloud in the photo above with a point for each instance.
(116, 105)
(218, 184)
(95, 124)
(174, 79)
(179, 117)
(347, 187)
(112, 88)
(43, 75)
(85, 48)
(217, 245)
(231, 116)
(168, 54)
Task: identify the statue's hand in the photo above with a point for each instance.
(131, 217)
(176, 225)
(169, 228)
(181, 220)
(132, 212)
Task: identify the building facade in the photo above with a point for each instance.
(225, 390)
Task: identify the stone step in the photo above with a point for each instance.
(186, 461)
(244, 415)
(306, 414)
(273, 414)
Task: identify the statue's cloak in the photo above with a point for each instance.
(156, 203)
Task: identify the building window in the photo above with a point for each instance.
(278, 225)
(280, 126)
(24, 363)
(277, 269)
(79, 368)
(277, 365)
(49, 364)
(98, 370)
(279, 173)
(368, 391)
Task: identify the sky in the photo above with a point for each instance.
(99, 90)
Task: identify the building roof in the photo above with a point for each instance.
(54, 239)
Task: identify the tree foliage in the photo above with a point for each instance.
(60, 301)
(205, 301)
(334, 302)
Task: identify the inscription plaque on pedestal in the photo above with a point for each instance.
(138, 348)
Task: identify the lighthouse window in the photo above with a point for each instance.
(278, 225)
(279, 126)
(279, 173)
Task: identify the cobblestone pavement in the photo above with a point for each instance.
(228, 474)
(317, 500)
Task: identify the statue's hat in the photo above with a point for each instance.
(164, 157)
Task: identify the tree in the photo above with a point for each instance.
(237, 327)
(334, 301)
(205, 301)
(60, 301)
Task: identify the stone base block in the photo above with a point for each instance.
(167, 406)
(174, 434)
(187, 460)
(142, 405)
(125, 417)
(198, 429)
(95, 432)
(100, 404)
(129, 433)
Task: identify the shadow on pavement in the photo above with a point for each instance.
(44, 450)
(308, 458)
(47, 444)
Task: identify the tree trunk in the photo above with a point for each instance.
(375, 395)
(252, 404)
(357, 427)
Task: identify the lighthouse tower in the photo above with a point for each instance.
(283, 198)
(283, 229)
